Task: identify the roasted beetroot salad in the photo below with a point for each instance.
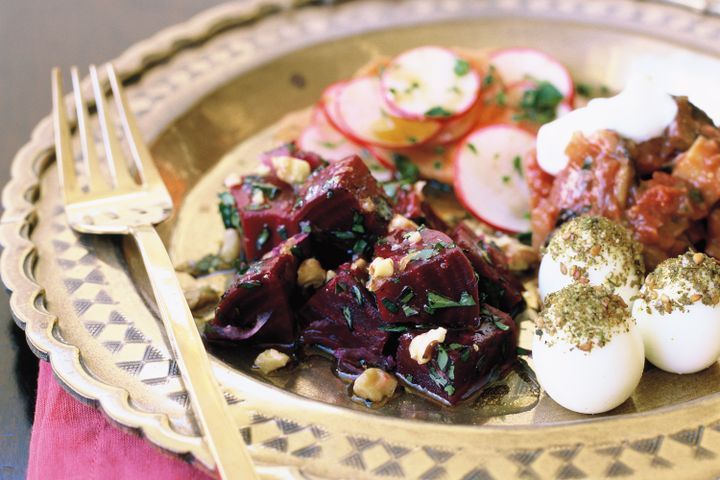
(331, 262)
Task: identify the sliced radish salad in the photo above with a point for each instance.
(462, 118)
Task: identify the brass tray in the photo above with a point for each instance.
(208, 93)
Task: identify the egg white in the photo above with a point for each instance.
(551, 279)
(590, 382)
(682, 341)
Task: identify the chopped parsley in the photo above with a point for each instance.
(253, 207)
(409, 311)
(695, 195)
(524, 351)
(437, 111)
(357, 294)
(250, 284)
(406, 294)
(500, 325)
(207, 264)
(263, 238)
(344, 235)
(501, 98)
(394, 328)
(517, 165)
(539, 104)
(390, 305)
(472, 148)
(406, 171)
(505, 179)
(348, 316)
(228, 210)
(437, 301)
(360, 246)
(268, 189)
(587, 163)
(442, 358)
(525, 238)
(489, 77)
(438, 379)
(462, 67)
(449, 389)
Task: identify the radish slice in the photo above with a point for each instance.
(456, 128)
(430, 82)
(360, 109)
(322, 138)
(433, 161)
(328, 103)
(489, 179)
(518, 64)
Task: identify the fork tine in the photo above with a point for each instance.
(63, 140)
(92, 166)
(138, 149)
(118, 167)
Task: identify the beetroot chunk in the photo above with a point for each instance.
(410, 203)
(432, 282)
(332, 197)
(465, 362)
(257, 306)
(342, 318)
(498, 286)
(268, 223)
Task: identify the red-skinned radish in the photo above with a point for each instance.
(429, 82)
(322, 138)
(361, 110)
(489, 179)
(518, 64)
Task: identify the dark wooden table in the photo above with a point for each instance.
(36, 35)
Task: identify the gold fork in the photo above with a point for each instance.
(130, 204)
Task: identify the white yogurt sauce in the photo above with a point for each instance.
(684, 75)
(640, 112)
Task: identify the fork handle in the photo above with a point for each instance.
(221, 432)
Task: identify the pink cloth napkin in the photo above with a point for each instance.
(71, 440)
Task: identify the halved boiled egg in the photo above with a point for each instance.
(678, 313)
(587, 350)
(594, 251)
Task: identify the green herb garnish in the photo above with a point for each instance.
(228, 210)
(357, 294)
(348, 316)
(263, 238)
(525, 238)
(442, 358)
(436, 301)
(390, 305)
(406, 171)
(438, 111)
(462, 67)
(517, 165)
(250, 284)
(539, 104)
(394, 328)
(409, 311)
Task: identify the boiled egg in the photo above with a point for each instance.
(587, 350)
(678, 313)
(594, 251)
